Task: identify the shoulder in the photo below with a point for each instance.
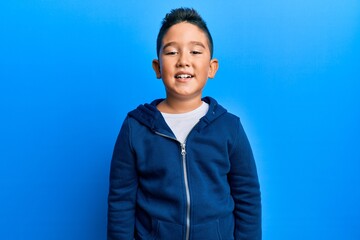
(145, 113)
(217, 110)
(226, 121)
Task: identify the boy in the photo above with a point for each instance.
(182, 166)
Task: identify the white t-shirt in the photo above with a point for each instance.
(182, 123)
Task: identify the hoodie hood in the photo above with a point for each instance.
(150, 116)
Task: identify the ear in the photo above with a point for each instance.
(156, 67)
(214, 66)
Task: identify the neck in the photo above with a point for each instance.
(179, 106)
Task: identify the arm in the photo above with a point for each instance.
(123, 187)
(245, 189)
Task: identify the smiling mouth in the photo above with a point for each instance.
(183, 76)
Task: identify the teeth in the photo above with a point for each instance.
(183, 76)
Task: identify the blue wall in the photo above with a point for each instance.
(70, 70)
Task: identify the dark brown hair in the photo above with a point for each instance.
(179, 15)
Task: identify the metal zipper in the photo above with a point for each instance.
(187, 191)
(183, 153)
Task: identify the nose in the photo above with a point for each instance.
(183, 60)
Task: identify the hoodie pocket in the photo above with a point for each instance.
(159, 230)
(227, 227)
(167, 230)
(221, 229)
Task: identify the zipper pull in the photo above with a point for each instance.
(183, 151)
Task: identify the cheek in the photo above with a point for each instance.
(165, 66)
(205, 68)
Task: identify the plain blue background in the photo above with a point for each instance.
(70, 70)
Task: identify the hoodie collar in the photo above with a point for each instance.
(150, 116)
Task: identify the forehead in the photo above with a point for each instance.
(185, 32)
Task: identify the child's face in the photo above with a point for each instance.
(184, 61)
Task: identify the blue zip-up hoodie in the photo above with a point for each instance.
(204, 189)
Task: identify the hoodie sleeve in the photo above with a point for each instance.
(245, 189)
(123, 187)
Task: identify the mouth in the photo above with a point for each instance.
(183, 76)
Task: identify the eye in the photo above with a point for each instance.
(170, 53)
(196, 52)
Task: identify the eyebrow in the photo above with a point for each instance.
(198, 44)
(192, 43)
